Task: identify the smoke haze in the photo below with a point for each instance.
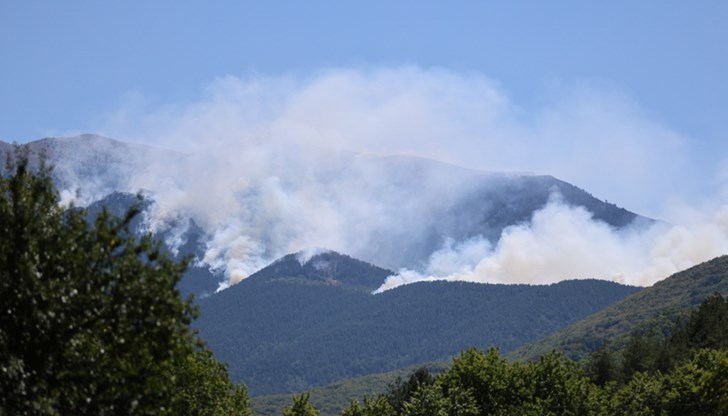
(563, 242)
(273, 165)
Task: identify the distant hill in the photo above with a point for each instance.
(654, 309)
(304, 322)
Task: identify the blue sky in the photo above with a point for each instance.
(69, 67)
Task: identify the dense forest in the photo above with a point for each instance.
(316, 321)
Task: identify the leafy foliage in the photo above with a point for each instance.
(301, 407)
(400, 391)
(484, 383)
(91, 321)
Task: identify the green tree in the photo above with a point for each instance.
(642, 396)
(301, 406)
(204, 388)
(91, 321)
(639, 355)
(426, 401)
(708, 324)
(601, 367)
(376, 406)
(399, 392)
(698, 386)
(558, 387)
(494, 384)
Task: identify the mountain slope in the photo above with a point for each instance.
(90, 166)
(646, 311)
(294, 325)
(393, 211)
(653, 309)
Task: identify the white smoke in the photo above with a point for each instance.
(304, 256)
(274, 165)
(564, 242)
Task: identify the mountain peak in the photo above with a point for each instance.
(327, 267)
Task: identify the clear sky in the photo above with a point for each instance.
(66, 66)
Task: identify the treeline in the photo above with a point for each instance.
(684, 374)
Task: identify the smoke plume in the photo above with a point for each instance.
(272, 165)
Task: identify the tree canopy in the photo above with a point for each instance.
(91, 321)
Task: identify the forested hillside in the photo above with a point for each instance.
(652, 310)
(664, 335)
(680, 373)
(298, 324)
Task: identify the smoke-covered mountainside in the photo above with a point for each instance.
(88, 167)
(237, 212)
(310, 320)
(199, 279)
(654, 309)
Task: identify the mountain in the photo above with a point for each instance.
(237, 211)
(90, 166)
(307, 321)
(654, 309)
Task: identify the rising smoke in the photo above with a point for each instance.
(273, 165)
(564, 242)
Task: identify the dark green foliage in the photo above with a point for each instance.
(301, 407)
(431, 400)
(313, 329)
(652, 354)
(639, 355)
(707, 326)
(698, 386)
(204, 388)
(492, 382)
(401, 391)
(483, 383)
(91, 321)
(375, 406)
(601, 366)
